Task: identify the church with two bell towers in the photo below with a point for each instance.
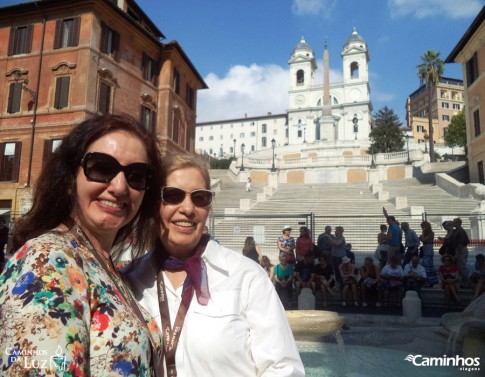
(330, 115)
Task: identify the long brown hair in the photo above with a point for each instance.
(55, 192)
(249, 245)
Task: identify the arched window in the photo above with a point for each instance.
(300, 76)
(354, 70)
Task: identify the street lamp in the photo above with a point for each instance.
(242, 158)
(273, 145)
(355, 121)
(372, 161)
(407, 147)
(234, 149)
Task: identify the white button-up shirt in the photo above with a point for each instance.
(243, 331)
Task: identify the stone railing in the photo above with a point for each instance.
(328, 161)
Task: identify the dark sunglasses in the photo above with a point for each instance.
(101, 167)
(174, 195)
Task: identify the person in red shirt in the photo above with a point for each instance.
(304, 244)
(448, 272)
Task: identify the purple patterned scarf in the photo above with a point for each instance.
(196, 272)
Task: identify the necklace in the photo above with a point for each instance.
(120, 286)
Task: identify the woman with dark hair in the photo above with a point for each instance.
(62, 301)
(427, 238)
(219, 312)
(251, 250)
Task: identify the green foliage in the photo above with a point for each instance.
(386, 136)
(456, 132)
(431, 69)
(222, 163)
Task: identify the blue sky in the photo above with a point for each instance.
(242, 48)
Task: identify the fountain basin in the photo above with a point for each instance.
(313, 324)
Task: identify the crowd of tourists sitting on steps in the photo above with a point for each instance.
(399, 264)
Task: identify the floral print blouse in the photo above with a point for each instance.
(62, 315)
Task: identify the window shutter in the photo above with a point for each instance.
(154, 122)
(154, 78)
(104, 36)
(47, 151)
(11, 41)
(104, 98)
(30, 33)
(144, 66)
(75, 31)
(14, 96)
(16, 162)
(58, 35)
(62, 92)
(2, 162)
(116, 46)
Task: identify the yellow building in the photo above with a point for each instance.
(446, 100)
(470, 52)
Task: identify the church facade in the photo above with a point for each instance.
(318, 113)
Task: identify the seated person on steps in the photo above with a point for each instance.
(304, 274)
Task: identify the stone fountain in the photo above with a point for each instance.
(313, 325)
(467, 329)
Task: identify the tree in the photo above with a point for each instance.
(429, 73)
(456, 132)
(386, 136)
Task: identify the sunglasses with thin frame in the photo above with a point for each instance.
(101, 167)
(174, 195)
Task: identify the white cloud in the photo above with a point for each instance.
(254, 90)
(433, 8)
(313, 7)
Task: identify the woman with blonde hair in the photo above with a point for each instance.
(212, 303)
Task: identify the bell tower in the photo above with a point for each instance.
(302, 68)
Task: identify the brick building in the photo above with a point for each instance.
(62, 61)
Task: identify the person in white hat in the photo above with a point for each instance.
(349, 280)
(286, 244)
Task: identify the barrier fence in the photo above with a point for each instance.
(360, 230)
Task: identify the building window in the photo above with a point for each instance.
(201, 138)
(253, 133)
(14, 97)
(445, 117)
(241, 135)
(10, 161)
(176, 81)
(456, 106)
(61, 99)
(300, 133)
(20, 40)
(420, 128)
(221, 137)
(300, 77)
(443, 94)
(148, 119)
(252, 148)
(287, 133)
(445, 131)
(454, 96)
(50, 147)
(149, 69)
(472, 69)
(67, 32)
(476, 122)
(264, 128)
(481, 178)
(104, 102)
(110, 41)
(211, 138)
(445, 105)
(263, 141)
(190, 96)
